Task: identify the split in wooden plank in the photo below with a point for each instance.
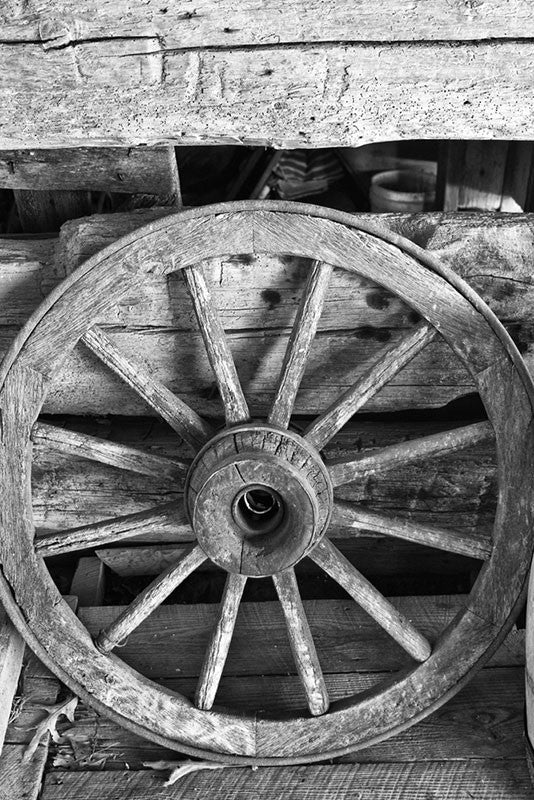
(222, 24)
(297, 95)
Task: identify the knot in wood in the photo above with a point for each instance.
(259, 499)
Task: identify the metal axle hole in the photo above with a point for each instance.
(258, 510)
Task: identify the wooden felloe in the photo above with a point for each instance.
(263, 469)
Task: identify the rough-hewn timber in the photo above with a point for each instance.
(264, 73)
(359, 319)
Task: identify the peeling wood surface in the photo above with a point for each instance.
(264, 72)
(359, 319)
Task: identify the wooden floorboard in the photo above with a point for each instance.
(485, 720)
(347, 640)
(440, 780)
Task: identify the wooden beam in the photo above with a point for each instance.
(455, 492)
(332, 623)
(62, 90)
(257, 303)
(132, 170)
(222, 23)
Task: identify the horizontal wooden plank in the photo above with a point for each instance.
(485, 720)
(485, 780)
(223, 23)
(347, 640)
(457, 491)
(147, 170)
(129, 91)
(373, 555)
(157, 325)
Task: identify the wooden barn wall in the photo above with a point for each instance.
(277, 72)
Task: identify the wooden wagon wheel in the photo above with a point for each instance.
(260, 496)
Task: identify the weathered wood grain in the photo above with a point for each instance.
(485, 720)
(149, 600)
(106, 452)
(215, 77)
(474, 175)
(397, 456)
(215, 658)
(147, 170)
(217, 346)
(183, 419)
(375, 555)
(299, 343)
(89, 582)
(57, 24)
(456, 492)
(399, 627)
(46, 211)
(358, 319)
(21, 779)
(485, 780)
(113, 529)
(448, 540)
(301, 642)
(11, 653)
(347, 640)
(389, 363)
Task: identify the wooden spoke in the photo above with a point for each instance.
(390, 362)
(186, 422)
(397, 455)
(217, 348)
(217, 651)
(146, 602)
(301, 641)
(111, 530)
(298, 347)
(117, 455)
(375, 604)
(465, 544)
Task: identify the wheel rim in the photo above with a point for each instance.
(331, 240)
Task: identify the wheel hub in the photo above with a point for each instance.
(259, 499)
